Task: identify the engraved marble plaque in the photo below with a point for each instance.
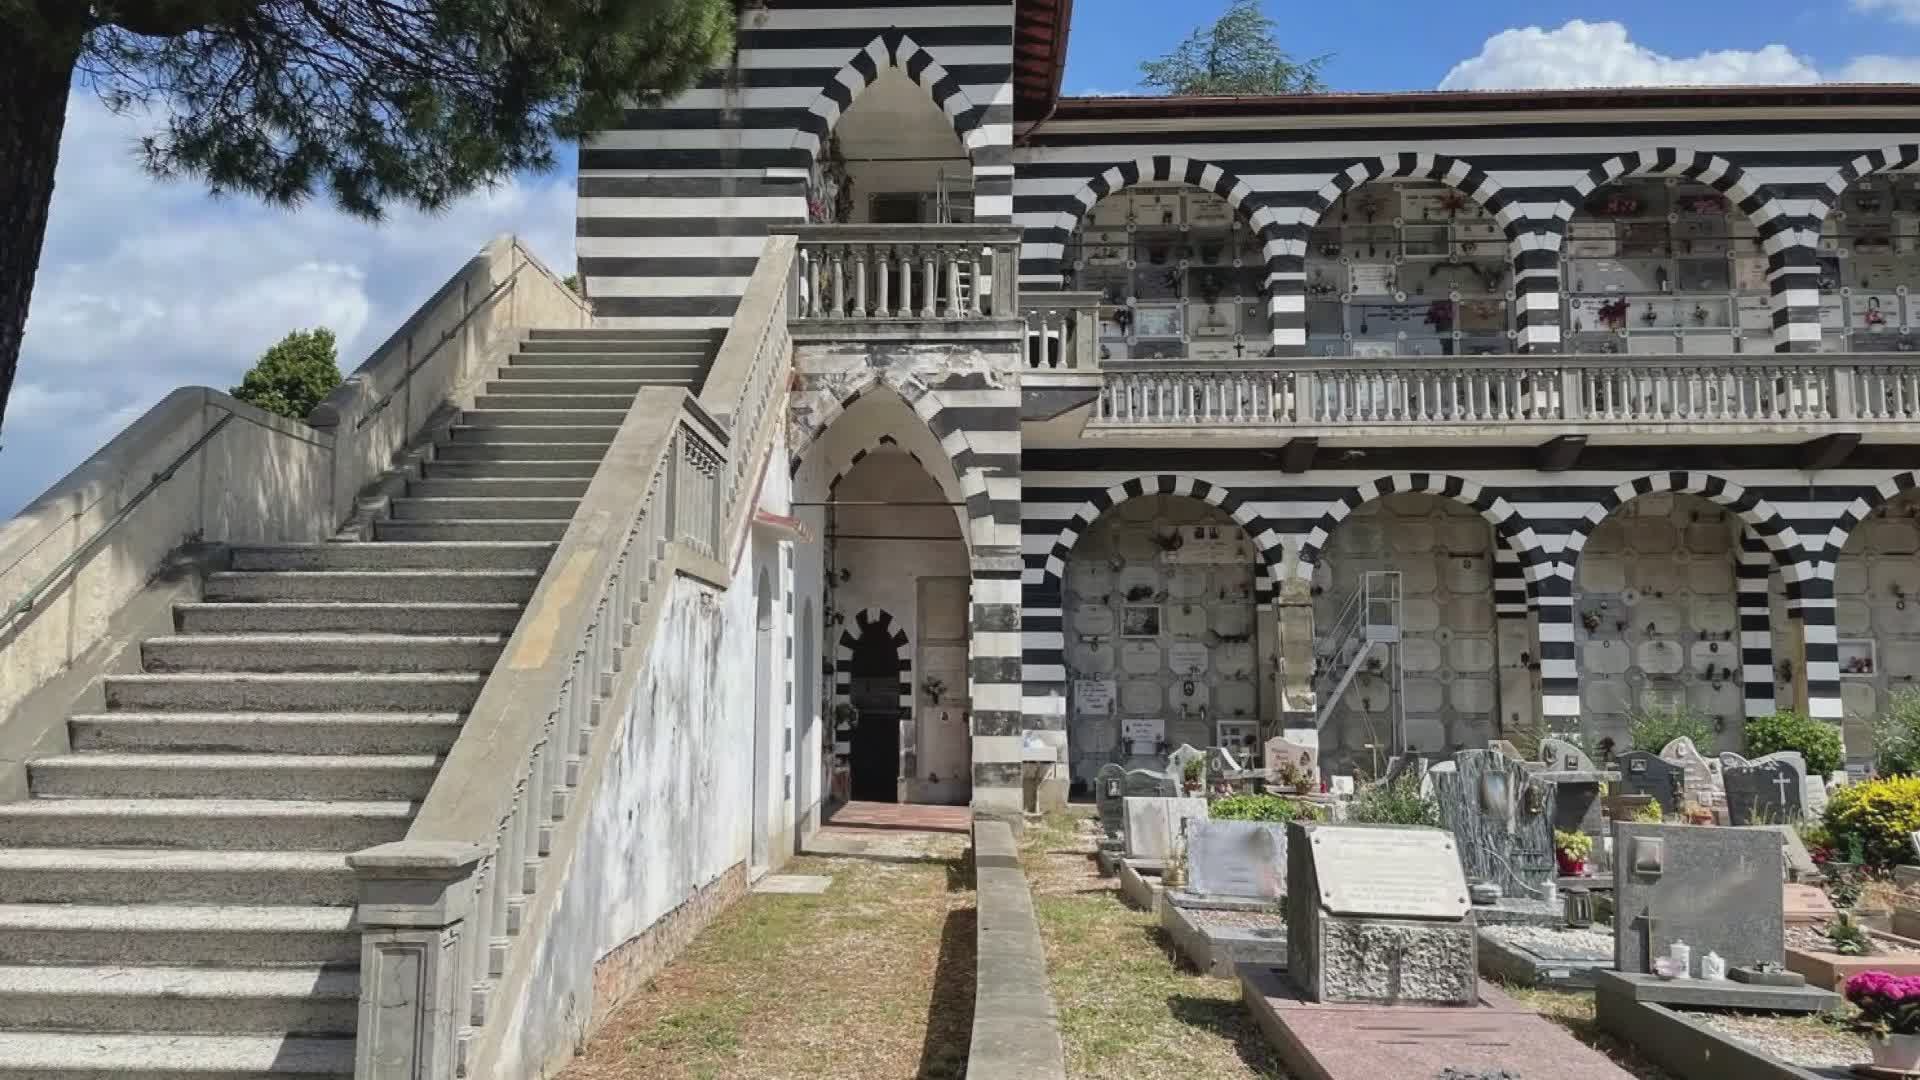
(1095, 619)
(1139, 657)
(1187, 658)
(1394, 873)
(1093, 697)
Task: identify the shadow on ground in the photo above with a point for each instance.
(943, 1055)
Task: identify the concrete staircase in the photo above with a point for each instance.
(174, 897)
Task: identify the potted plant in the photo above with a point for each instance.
(1190, 775)
(1570, 850)
(1890, 1017)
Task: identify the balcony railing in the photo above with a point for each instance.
(897, 274)
(1842, 391)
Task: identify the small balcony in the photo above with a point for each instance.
(880, 282)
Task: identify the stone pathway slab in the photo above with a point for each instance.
(796, 884)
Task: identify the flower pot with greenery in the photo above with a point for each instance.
(1570, 850)
(1889, 1016)
(1190, 775)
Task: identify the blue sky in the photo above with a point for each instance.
(144, 287)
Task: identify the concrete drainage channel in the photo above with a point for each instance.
(1016, 1032)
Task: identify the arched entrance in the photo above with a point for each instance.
(876, 685)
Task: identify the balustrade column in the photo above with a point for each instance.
(839, 282)
(883, 262)
(860, 280)
(950, 259)
(930, 282)
(414, 906)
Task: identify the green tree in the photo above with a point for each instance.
(292, 377)
(1237, 56)
(372, 102)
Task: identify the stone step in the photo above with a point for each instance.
(396, 556)
(616, 355)
(602, 346)
(596, 434)
(307, 692)
(346, 618)
(227, 935)
(322, 652)
(204, 824)
(471, 529)
(352, 586)
(510, 487)
(534, 399)
(100, 774)
(134, 876)
(266, 733)
(642, 370)
(709, 337)
(49, 1055)
(447, 453)
(554, 417)
(467, 508)
(505, 468)
(306, 1000)
(620, 389)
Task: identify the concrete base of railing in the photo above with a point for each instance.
(1016, 1032)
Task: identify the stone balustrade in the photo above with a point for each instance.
(905, 273)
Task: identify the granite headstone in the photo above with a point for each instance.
(1109, 787)
(1149, 783)
(1716, 889)
(1501, 818)
(1559, 755)
(1764, 793)
(1643, 772)
(1243, 860)
(1795, 861)
(1153, 824)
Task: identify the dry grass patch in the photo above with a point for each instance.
(872, 980)
(1574, 1011)
(1127, 1012)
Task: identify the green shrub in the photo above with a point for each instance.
(1652, 729)
(1816, 740)
(1262, 808)
(1874, 817)
(1896, 735)
(1398, 803)
(293, 376)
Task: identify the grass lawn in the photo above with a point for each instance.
(871, 981)
(1126, 1011)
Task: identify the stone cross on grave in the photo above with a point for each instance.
(1784, 783)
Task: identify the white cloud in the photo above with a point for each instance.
(145, 286)
(1602, 54)
(1907, 11)
(1880, 69)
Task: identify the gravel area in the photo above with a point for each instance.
(1796, 1040)
(1812, 937)
(1260, 920)
(1555, 942)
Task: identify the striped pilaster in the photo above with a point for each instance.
(1536, 292)
(1559, 671)
(1793, 273)
(993, 672)
(1754, 566)
(1815, 605)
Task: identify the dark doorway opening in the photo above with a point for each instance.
(875, 695)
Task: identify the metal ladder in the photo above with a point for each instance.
(1366, 636)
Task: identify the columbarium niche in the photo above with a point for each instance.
(1181, 275)
(1656, 621)
(1661, 265)
(1408, 268)
(1877, 617)
(1161, 646)
(1870, 266)
(1446, 686)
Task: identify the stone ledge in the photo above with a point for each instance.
(1686, 1049)
(1635, 986)
(1016, 1030)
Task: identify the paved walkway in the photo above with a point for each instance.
(908, 817)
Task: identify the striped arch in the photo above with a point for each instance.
(1697, 165)
(892, 48)
(1857, 511)
(1264, 539)
(869, 621)
(1512, 529)
(1535, 267)
(1889, 159)
(1759, 515)
(833, 484)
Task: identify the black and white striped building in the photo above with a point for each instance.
(1705, 513)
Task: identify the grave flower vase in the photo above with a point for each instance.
(1896, 1053)
(1570, 866)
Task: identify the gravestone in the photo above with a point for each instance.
(1731, 760)
(1378, 914)
(1109, 787)
(1244, 860)
(1700, 775)
(1813, 790)
(1501, 818)
(1645, 773)
(1177, 762)
(1305, 760)
(1764, 793)
(1153, 824)
(1795, 861)
(1220, 762)
(1505, 748)
(1716, 889)
(1576, 786)
(1149, 784)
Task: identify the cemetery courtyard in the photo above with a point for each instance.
(1220, 929)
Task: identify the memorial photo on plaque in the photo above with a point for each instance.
(1140, 620)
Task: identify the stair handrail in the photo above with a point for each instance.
(455, 917)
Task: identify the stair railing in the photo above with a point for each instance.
(461, 920)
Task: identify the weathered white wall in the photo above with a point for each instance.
(1877, 591)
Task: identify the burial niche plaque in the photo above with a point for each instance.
(1389, 873)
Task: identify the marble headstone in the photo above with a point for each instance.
(1645, 773)
(1177, 761)
(1149, 783)
(1220, 761)
(1764, 793)
(1244, 860)
(1153, 825)
(1501, 818)
(1109, 787)
(1505, 748)
(1700, 774)
(1379, 914)
(1558, 755)
(1716, 889)
(1304, 759)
